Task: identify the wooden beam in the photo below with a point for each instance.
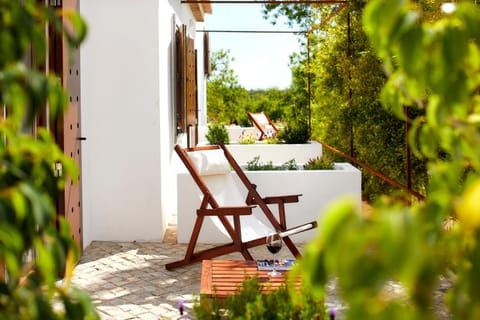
(197, 10)
(265, 1)
(207, 8)
(254, 31)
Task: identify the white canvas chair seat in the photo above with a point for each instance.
(227, 193)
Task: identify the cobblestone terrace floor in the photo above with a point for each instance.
(129, 280)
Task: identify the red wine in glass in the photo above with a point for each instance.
(274, 244)
(274, 247)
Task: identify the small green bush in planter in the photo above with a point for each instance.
(246, 138)
(319, 163)
(287, 302)
(256, 165)
(273, 140)
(296, 132)
(217, 134)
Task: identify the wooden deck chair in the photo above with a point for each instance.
(210, 168)
(264, 124)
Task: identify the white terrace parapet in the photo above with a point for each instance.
(276, 153)
(234, 133)
(319, 188)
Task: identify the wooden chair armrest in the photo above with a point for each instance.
(301, 228)
(282, 199)
(226, 211)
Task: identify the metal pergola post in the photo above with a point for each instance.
(343, 4)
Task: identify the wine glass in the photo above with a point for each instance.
(274, 244)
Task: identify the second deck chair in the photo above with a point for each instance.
(210, 168)
(264, 124)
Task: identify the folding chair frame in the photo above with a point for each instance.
(210, 207)
(258, 125)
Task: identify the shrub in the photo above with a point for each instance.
(416, 244)
(283, 303)
(217, 134)
(246, 138)
(296, 132)
(273, 140)
(256, 165)
(319, 163)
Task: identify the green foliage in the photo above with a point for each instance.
(319, 163)
(432, 62)
(346, 110)
(228, 102)
(346, 79)
(221, 68)
(226, 99)
(272, 140)
(300, 15)
(36, 247)
(249, 304)
(246, 138)
(295, 132)
(274, 102)
(256, 165)
(217, 134)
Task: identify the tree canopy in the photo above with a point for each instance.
(346, 78)
(228, 102)
(432, 62)
(345, 82)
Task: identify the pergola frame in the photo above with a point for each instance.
(307, 32)
(344, 3)
(266, 1)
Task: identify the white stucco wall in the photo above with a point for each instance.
(126, 117)
(319, 189)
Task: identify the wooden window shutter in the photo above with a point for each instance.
(186, 85)
(180, 79)
(206, 54)
(191, 87)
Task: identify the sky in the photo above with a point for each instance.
(260, 60)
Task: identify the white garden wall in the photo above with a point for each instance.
(318, 187)
(234, 133)
(276, 153)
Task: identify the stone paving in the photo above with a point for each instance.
(128, 280)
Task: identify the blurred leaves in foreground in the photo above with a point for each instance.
(36, 247)
(432, 65)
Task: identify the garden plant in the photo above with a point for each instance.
(432, 66)
(256, 165)
(37, 253)
(324, 162)
(217, 133)
(288, 302)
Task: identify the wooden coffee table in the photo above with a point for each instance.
(221, 278)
